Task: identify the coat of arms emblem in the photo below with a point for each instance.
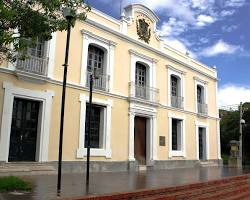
(143, 30)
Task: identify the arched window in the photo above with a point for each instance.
(140, 75)
(174, 86)
(95, 58)
(200, 94)
(176, 98)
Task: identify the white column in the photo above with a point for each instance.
(51, 55)
(131, 156)
(111, 66)
(218, 140)
(108, 130)
(85, 45)
(154, 138)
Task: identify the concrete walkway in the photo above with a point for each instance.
(100, 183)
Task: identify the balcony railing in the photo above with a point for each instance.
(177, 101)
(34, 65)
(101, 83)
(202, 108)
(144, 92)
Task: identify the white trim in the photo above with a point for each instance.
(150, 63)
(206, 126)
(51, 55)
(106, 150)
(150, 114)
(157, 51)
(45, 98)
(108, 45)
(181, 153)
(131, 156)
(218, 140)
(181, 75)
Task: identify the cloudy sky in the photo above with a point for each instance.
(216, 32)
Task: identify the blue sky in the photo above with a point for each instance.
(215, 32)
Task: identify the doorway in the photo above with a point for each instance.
(202, 144)
(140, 140)
(24, 128)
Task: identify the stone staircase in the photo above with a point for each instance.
(230, 188)
(26, 168)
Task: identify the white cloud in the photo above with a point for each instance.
(219, 47)
(173, 27)
(225, 13)
(229, 28)
(203, 20)
(234, 3)
(178, 45)
(170, 7)
(232, 94)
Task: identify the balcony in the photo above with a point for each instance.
(34, 65)
(144, 93)
(202, 108)
(177, 101)
(101, 83)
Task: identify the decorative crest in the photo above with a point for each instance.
(143, 30)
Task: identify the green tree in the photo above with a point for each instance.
(22, 19)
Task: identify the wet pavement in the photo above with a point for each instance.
(74, 184)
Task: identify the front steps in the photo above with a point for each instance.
(230, 188)
(26, 168)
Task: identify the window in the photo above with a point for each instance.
(140, 75)
(141, 81)
(38, 49)
(97, 121)
(199, 94)
(174, 86)
(95, 58)
(176, 135)
(201, 105)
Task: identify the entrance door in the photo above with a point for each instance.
(23, 134)
(202, 143)
(140, 140)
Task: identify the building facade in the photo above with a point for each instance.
(153, 106)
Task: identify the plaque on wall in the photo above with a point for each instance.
(162, 141)
(143, 28)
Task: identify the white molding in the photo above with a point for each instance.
(148, 61)
(218, 140)
(181, 74)
(108, 94)
(108, 45)
(206, 127)
(181, 153)
(157, 51)
(106, 151)
(150, 114)
(45, 98)
(51, 55)
(131, 156)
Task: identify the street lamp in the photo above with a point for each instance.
(68, 14)
(94, 74)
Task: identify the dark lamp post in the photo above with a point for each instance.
(67, 13)
(94, 74)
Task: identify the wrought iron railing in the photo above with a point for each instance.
(202, 108)
(34, 65)
(102, 83)
(177, 101)
(144, 92)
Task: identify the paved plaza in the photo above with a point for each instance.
(100, 183)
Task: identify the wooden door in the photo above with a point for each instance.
(23, 134)
(140, 140)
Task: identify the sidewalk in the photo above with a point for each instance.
(100, 183)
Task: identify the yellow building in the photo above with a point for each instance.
(153, 106)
